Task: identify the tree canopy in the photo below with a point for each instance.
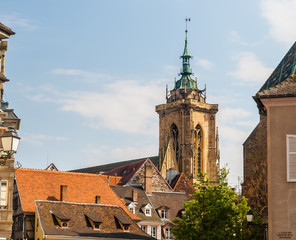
(216, 212)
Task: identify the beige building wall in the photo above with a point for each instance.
(281, 120)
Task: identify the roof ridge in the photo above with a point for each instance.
(74, 203)
(56, 172)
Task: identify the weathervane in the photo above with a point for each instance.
(187, 20)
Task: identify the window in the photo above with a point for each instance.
(168, 234)
(153, 231)
(132, 209)
(291, 158)
(3, 194)
(164, 214)
(147, 212)
(143, 227)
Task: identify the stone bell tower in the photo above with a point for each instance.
(188, 137)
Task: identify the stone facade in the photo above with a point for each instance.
(255, 170)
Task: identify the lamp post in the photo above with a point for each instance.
(10, 141)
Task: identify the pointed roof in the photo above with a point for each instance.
(126, 171)
(186, 73)
(35, 184)
(283, 71)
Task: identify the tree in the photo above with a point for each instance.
(216, 212)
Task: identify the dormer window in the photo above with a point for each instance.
(164, 214)
(123, 222)
(94, 220)
(147, 209)
(132, 207)
(60, 219)
(148, 212)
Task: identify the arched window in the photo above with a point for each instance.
(198, 144)
(175, 136)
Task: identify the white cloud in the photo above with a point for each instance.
(250, 70)
(14, 20)
(79, 73)
(204, 63)
(125, 106)
(39, 139)
(281, 17)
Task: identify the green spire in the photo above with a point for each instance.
(186, 72)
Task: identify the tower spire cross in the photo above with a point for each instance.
(187, 20)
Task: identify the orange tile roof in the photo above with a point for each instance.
(45, 185)
(111, 180)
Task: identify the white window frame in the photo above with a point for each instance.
(291, 166)
(147, 210)
(4, 203)
(153, 231)
(168, 234)
(144, 228)
(164, 214)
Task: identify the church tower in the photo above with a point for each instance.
(188, 137)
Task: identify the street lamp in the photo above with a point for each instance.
(10, 141)
(250, 216)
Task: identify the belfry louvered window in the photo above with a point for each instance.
(291, 158)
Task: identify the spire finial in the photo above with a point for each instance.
(187, 20)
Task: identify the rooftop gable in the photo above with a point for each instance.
(46, 185)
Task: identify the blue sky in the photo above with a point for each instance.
(86, 75)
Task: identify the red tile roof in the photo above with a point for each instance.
(111, 180)
(45, 185)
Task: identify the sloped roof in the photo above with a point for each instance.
(111, 180)
(78, 224)
(45, 185)
(182, 184)
(126, 193)
(126, 171)
(110, 166)
(286, 88)
(283, 70)
(173, 200)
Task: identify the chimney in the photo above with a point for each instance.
(135, 195)
(148, 179)
(64, 193)
(98, 199)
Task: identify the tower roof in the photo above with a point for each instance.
(186, 73)
(283, 71)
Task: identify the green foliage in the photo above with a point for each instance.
(216, 212)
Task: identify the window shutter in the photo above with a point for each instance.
(291, 158)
